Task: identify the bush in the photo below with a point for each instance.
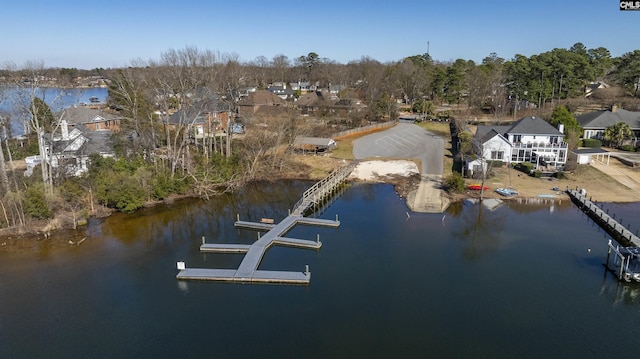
(454, 183)
(560, 175)
(537, 174)
(525, 167)
(628, 148)
(36, 203)
(591, 142)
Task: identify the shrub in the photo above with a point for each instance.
(560, 175)
(537, 174)
(525, 167)
(591, 142)
(628, 148)
(454, 182)
(36, 203)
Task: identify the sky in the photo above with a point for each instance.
(116, 33)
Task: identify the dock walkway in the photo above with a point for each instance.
(623, 261)
(248, 271)
(608, 223)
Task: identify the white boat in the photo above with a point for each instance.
(507, 192)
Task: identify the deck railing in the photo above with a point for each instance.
(322, 188)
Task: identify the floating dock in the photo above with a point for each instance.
(248, 271)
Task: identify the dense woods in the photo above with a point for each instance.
(159, 155)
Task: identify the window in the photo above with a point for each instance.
(497, 155)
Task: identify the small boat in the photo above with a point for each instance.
(94, 99)
(477, 187)
(507, 192)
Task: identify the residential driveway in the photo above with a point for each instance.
(622, 173)
(408, 141)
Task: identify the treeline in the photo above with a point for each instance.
(158, 154)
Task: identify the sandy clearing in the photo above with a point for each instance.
(378, 170)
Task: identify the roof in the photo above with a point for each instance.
(483, 131)
(606, 118)
(79, 115)
(589, 151)
(315, 141)
(532, 125)
(261, 97)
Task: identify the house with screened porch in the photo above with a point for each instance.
(530, 139)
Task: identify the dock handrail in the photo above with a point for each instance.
(334, 177)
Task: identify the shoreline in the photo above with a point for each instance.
(404, 175)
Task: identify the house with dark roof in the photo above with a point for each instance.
(530, 139)
(69, 150)
(92, 119)
(252, 104)
(594, 123)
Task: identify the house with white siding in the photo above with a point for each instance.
(530, 139)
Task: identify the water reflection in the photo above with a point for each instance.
(480, 228)
(512, 282)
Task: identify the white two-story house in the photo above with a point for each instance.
(530, 139)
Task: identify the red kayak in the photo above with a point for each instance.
(477, 187)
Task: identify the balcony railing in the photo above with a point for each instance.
(540, 145)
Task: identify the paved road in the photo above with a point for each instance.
(406, 140)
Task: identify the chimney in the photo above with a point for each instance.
(614, 108)
(561, 127)
(65, 130)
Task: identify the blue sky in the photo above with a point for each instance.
(89, 34)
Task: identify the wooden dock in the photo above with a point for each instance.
(602, 218)
(248, 271)
(623, 261)
(323, 189)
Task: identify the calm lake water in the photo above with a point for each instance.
(514, 281)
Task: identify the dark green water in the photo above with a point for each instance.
(514, 282)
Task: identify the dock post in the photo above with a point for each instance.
(621, 268)
(318, 238)
(238, 217)
(306, 270)
(336, 217)
(203, 242)
(258, 235)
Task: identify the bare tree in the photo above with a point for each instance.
(32, 104)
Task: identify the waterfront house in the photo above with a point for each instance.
(530, 139)
(68, 150)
